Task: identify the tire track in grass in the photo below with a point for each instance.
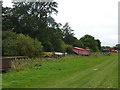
(72, 77)
(112, 78)
(80, 79)
(98, 76)
(101, 76)
(93, 78)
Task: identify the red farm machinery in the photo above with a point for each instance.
(81, 51)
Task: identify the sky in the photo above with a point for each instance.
(98, 18)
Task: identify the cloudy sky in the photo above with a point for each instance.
(98, 18)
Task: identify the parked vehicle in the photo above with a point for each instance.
(47, 54)
(53, 54)
(110, 50)
(106, 52)
(81, 51)
(114, 51)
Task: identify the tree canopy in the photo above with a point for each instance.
(90, 42)
(31, 23)
(117, 47)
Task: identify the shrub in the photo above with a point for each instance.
(19, 44)
(28, 46)
(8, 43)
(9, 47)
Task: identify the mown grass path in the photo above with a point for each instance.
(74, 72)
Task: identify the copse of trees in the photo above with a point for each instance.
(28, 29)
(117, 47)
(34, 20)
(105, 47)
(29, 17)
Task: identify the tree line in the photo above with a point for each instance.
(28, 28)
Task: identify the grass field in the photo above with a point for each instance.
(68, 72)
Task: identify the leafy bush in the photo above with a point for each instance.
(8, 34)
(9, 47)
(8, 43)
(28, 46)
(19, 44)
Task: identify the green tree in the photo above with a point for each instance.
(48, 46)
(69, 39)
(78, 43)
(29, 18)
(6, 19)
(67, 31)
(34, 20)
(105, 47)
(8, 34)
(117, 47)
(89, 42)
(99, 44)
(50, 39)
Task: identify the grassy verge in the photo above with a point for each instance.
(67, 72)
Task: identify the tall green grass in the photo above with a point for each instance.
(25, 64)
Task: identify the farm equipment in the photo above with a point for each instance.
(114, 51)
(109, 51)
(58, 54)
(47, 54)
(106, 52)
(53, 54)
(81, 51)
